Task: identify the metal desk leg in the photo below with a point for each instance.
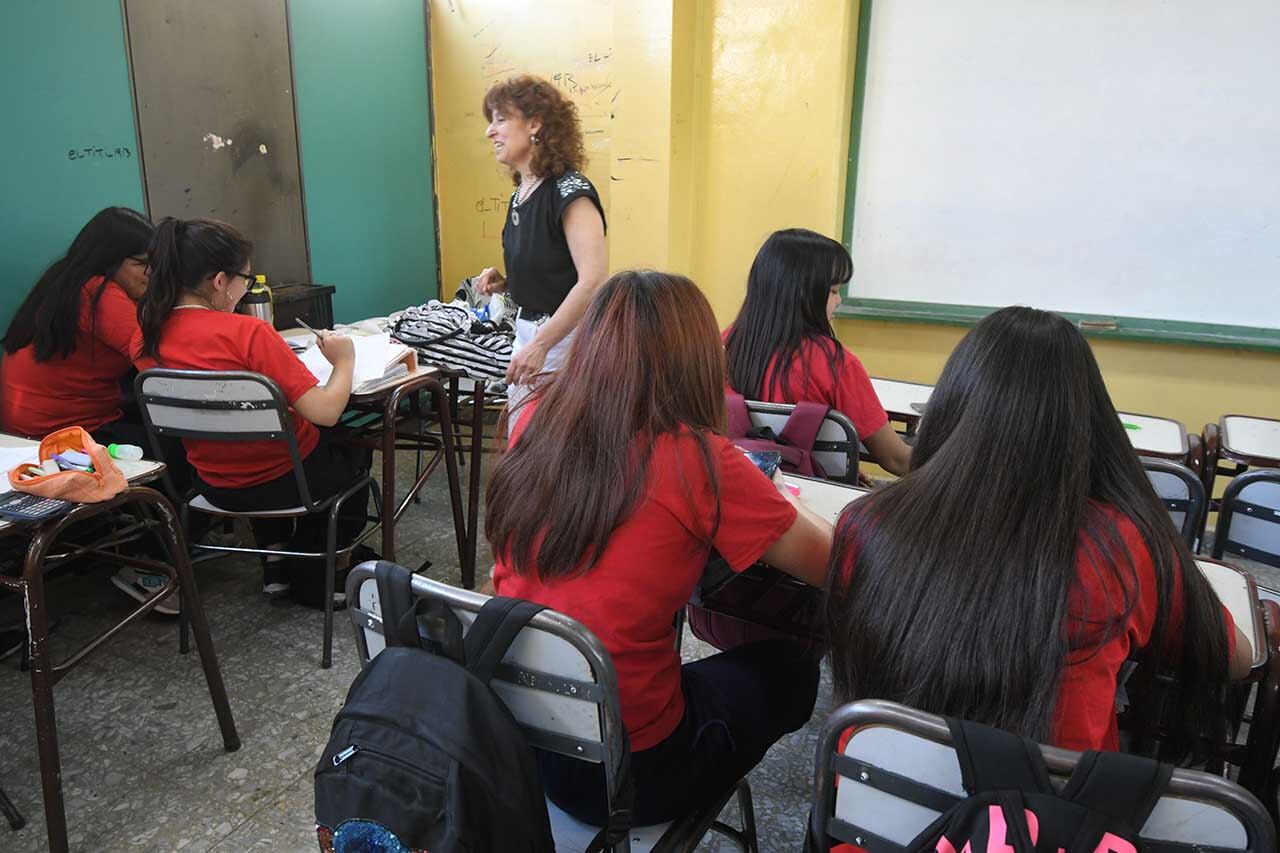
(473, 485)
(42, 680)
(440, 397)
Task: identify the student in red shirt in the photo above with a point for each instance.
(782, 349)
(67, 347)
(617, 484)
(200, 271)
(1025, 557)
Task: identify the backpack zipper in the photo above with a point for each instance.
(342, 757)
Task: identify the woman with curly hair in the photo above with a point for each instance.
(553, 239)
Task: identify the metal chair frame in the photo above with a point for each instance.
(831, 762)
(270, 399)
(1192, 506)
(1233, 505)
(849, 446)
(602, 691)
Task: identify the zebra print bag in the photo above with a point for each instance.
(442, 335)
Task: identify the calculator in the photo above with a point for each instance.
(22, 506)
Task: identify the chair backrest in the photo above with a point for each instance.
(556, 679)
(836, 448)
(1182, 493)
(1249, 521)
(1197, 808)
(216, 405)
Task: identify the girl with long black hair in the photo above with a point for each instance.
(782, 349)
(200, 270)
(1025, 558)
(67, 347)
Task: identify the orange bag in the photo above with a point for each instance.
(102, 483)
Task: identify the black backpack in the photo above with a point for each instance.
(423, 749)
(1102, 808)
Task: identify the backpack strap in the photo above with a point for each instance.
(495, 628)
(395, 596)
(803, 425)
(995, 760)
(1120, 791)
(739, 421)
(400, 615)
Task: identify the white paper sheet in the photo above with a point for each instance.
(373, 354)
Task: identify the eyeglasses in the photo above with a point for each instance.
(140, 260)
(247, 276)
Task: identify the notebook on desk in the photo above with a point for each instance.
(378, 361)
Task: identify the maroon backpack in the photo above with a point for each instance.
(795, 442)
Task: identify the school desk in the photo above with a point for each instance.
(903, 402)
(1243, 440)
(162, 518)
(1163, 438)
(764, 596)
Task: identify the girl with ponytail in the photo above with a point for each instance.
(67, 347)
(200, 270)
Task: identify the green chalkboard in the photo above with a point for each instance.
(364, 130)
(68, 148)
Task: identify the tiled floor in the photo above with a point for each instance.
(143, 766)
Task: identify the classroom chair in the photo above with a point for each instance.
(559, 684)
(1182, 494)
(234, 406)
(837, 447)
(1249, 518)
(898, 772)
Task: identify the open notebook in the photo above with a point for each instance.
(378, 361)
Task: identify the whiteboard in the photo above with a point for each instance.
(1102, 157)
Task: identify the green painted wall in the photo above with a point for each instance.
(64, 83)
(361, 75)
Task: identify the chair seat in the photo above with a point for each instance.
(203, 504)
(572, 835)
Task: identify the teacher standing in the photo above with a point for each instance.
(553, 238)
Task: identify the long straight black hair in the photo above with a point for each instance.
(964, 569)
(183, 254)
(785, 305)
(49, 317)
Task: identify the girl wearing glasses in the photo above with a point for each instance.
(200, 270)
(67, 347)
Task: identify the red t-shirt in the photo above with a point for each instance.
(651, 564)
(82, 389)
(199, 339)
(810, 379)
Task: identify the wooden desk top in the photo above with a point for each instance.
(1153, 436)
(824, 497)
(1237, 592)
(139, 471)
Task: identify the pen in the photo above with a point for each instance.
(307, 326)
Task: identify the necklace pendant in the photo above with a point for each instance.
(515, 217)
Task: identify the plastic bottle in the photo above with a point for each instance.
(131, 452)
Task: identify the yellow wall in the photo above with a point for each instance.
(730, 119)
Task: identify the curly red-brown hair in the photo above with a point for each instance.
(559, 148)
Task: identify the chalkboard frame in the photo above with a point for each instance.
(905, 311)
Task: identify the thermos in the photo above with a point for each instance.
(257, 301)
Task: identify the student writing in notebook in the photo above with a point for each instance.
(1009, 576)
(782, 349)
(200, 270)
